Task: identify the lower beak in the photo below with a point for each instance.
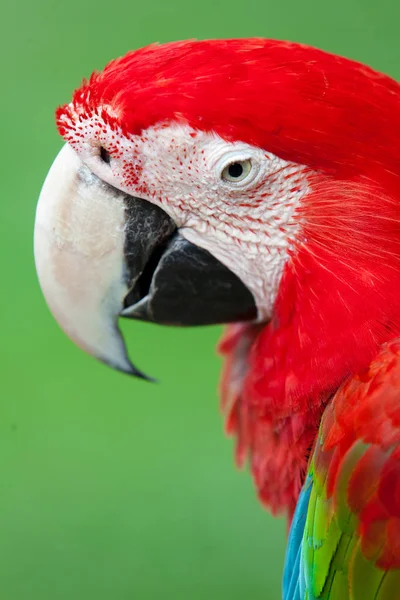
(101, 254)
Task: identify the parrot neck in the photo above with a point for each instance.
(330, 318)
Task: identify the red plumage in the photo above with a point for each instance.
(338, 298)
(365, 411)
(298, 102)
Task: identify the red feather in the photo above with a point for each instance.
(296, 101)
(366, 410)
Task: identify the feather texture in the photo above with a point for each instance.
(349, 544)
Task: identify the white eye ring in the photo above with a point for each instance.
(237, 171)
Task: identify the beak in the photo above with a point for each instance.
(101, 254)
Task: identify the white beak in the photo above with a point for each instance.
(79, 254)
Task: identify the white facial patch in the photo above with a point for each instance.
(248, 225)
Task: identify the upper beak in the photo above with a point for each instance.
(101, 254)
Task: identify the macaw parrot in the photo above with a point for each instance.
(254, 183)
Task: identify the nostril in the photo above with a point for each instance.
(105, 155)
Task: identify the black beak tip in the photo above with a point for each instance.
(132, 371)
(140, 375)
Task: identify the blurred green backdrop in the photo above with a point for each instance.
(112, 488)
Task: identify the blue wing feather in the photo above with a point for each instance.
(293, 576)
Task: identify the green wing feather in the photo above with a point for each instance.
(344, 543)
(334, 564)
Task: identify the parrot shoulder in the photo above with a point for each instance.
(345, 537)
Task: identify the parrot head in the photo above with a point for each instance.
(248, 181)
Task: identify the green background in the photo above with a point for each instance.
(111, 488)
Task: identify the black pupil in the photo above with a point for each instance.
(235, 170)
(105, 155)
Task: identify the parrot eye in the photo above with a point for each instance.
(236, 171)
(105, 155)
